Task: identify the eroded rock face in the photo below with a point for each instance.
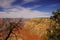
(38, 25)
(33, 29)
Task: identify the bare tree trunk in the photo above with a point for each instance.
(12, 26)
(8, 35)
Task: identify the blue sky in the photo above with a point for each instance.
(33, 5)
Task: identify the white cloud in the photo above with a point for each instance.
(6, 3)
(23, 13)
(27, 1)
(20, 12)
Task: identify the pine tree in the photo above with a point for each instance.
(54, 30)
